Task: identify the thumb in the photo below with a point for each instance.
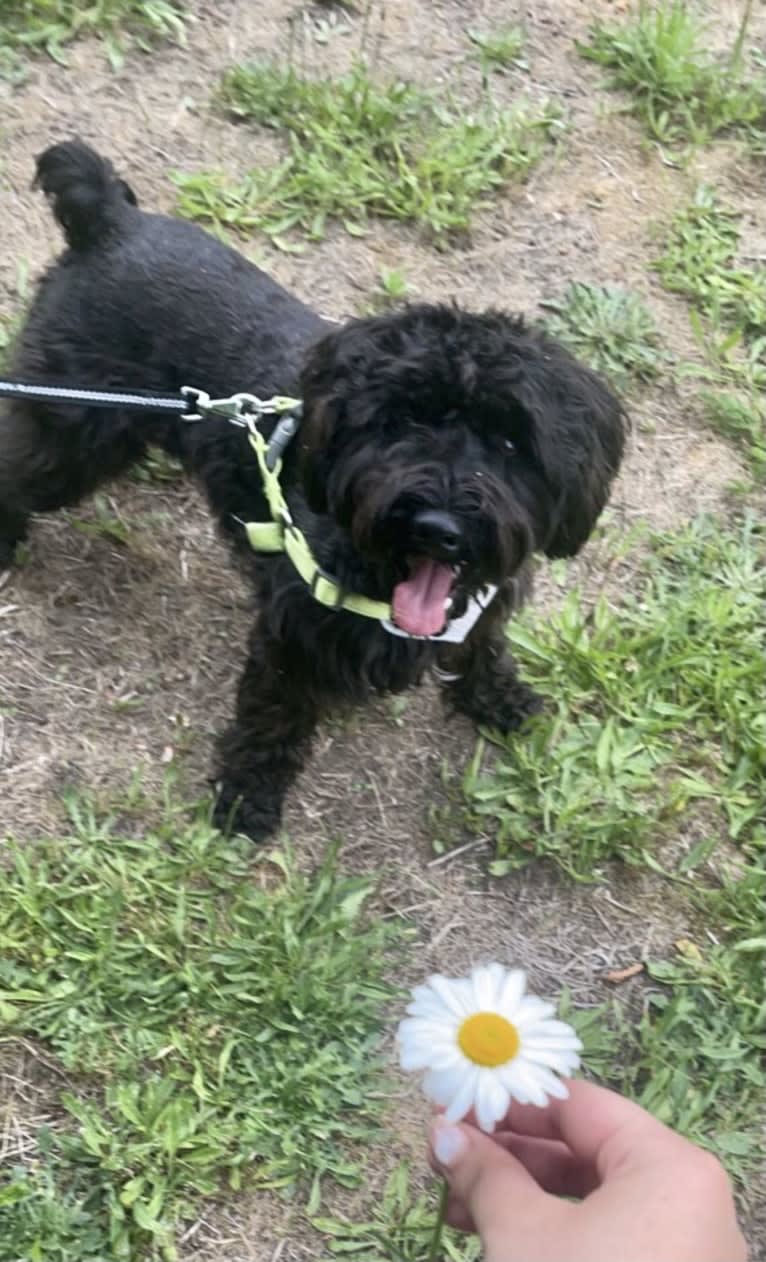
(493, 1189)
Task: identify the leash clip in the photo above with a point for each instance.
(246, 410)
(240, 409)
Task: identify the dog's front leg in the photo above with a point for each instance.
(480, 680)
(260, 755)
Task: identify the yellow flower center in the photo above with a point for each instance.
(488, 1039)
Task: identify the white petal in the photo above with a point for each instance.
(428, 1031)
(412, 1057)
(441, 1085)
(511, 993)
(492, 1100)
(464, 992)
(463, 1100)
(532, 1011)
(514, 1083)
(431, 1008)
(562, 1062)
(486, 986)
(546, 1081)
(416, 1056)
(535, 1048)
(451, 993)
(498, 975)
(541, 1040)
(422, 992)
(445, 1057)
(550, 1030)
(526, 1081)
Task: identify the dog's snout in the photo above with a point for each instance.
(438, 533)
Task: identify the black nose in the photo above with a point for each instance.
(439, 533)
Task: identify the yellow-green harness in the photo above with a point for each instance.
(282, 535)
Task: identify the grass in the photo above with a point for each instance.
(742, 420)
(728, 315)
(49, 25)
(8, 330)
(217, 1015)
(399, 1229)
(680, 90)
(497, 50)
(696, 1057)
(699, 262)
(10, 324)
(392, 288)
(654, 715)
(357, 150)
(611, 329)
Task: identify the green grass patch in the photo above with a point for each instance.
(400, 1228)
(391, 290)
(654, 719)
(357, 149)
(8, 331)
(500, 49)
(699, 261)
(728, 317)
(49, 25)
(742, 420)
(11, 323)
(611, 329)
(689, 1046)
(681, 91)
(696, 1057)
(158, 466)
(217, 1010)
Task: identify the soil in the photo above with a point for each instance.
(119, 657)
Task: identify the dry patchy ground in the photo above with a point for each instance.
(118, 655)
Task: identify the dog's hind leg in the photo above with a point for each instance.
(51, 458)
(268, 744)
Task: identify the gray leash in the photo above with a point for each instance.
(144, 400)
(191, 404)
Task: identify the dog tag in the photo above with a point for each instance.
(457, 630)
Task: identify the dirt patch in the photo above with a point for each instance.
(117, 658)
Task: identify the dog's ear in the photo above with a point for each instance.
(326, 382)
(578, 436)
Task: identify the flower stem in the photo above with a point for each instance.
(436, 1238)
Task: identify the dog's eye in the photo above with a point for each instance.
(509, 445)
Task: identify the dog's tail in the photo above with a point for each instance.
(89, 199)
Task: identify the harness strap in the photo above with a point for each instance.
(282, 535)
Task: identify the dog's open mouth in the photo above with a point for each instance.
(420, 601)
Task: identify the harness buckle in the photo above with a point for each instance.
(321, 576)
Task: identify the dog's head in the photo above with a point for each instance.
(451, 446)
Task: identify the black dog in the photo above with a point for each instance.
(437, 451)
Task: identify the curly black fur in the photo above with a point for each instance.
(430, 410)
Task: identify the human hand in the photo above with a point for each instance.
(647, 1195)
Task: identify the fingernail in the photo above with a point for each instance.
(448, 1143)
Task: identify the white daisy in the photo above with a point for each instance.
(483, 1043)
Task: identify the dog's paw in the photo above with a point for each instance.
(510, 710)
(502, 704)
(236, 811)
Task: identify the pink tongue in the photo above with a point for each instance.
(419, 600)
